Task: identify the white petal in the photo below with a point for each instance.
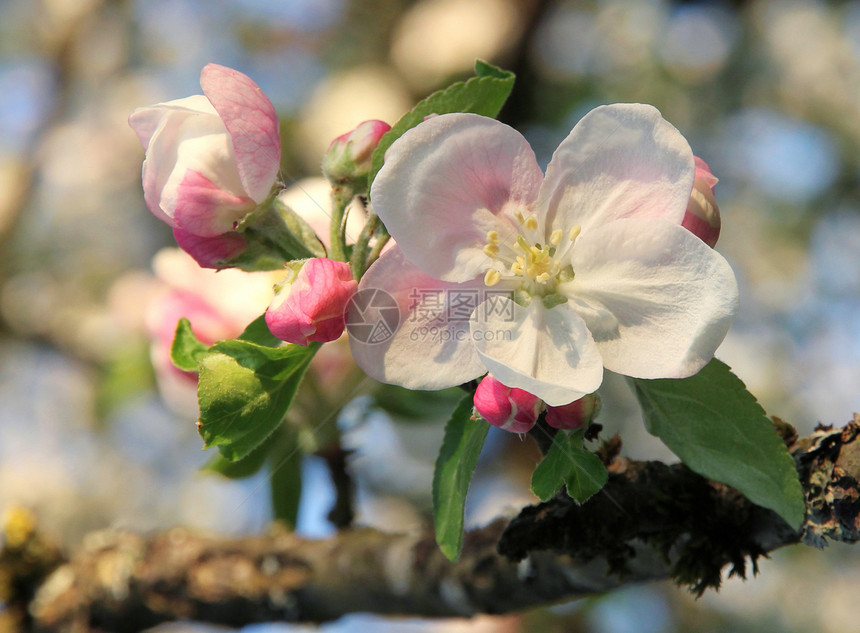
(621, 160)
(657, 300)
(144, 121)
(200, 144)
(443, 184)
(431, 347)
(547, 352)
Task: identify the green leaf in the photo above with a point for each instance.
(588, 474)
(186, 351)
(457, 459)
(285, 477)
(567, 462)
(719, 430)
(244, 391)
(408, 404)
(245, 467)
(548, 476)
(484, 94)
(484, 69)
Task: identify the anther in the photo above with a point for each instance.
(492, 237)
(531, 223)
(491, 250)
(555, 238)
(492, 277)
(574, 232)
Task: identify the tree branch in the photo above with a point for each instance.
(651, 521)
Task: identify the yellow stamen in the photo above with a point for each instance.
(574, 232)
(521, 242)
(519, 216)
(491, 250)
(492, 277)
(492, 237)
(542, 278)
(531, 223)
(555, 238)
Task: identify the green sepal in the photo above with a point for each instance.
(300, 229)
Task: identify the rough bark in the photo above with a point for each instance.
(651, 521)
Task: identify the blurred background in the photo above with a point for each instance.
(91, 436)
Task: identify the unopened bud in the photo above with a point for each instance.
(349, 156)
(508, 408)
(311, 307)
(576, 415)
(703, 215)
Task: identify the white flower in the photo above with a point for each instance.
(595, 266)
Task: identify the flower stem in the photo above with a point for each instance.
(382, 238)
(341, 196)
(358, 261)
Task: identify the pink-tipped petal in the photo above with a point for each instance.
(430, 347)
(211, 252)
(252, 123)
(442, 186)
(619, 161)
(203, 208)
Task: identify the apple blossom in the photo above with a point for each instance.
(584, 268)
(311, 307)
(510, 409)
(210, 160)
(703, 215)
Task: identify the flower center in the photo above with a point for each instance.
(531, 262)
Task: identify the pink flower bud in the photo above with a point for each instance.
(349, 155)
(209, 159)
(703, 215)
(511, 409)
(212, 252)
(312, 307)
(576, 415)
